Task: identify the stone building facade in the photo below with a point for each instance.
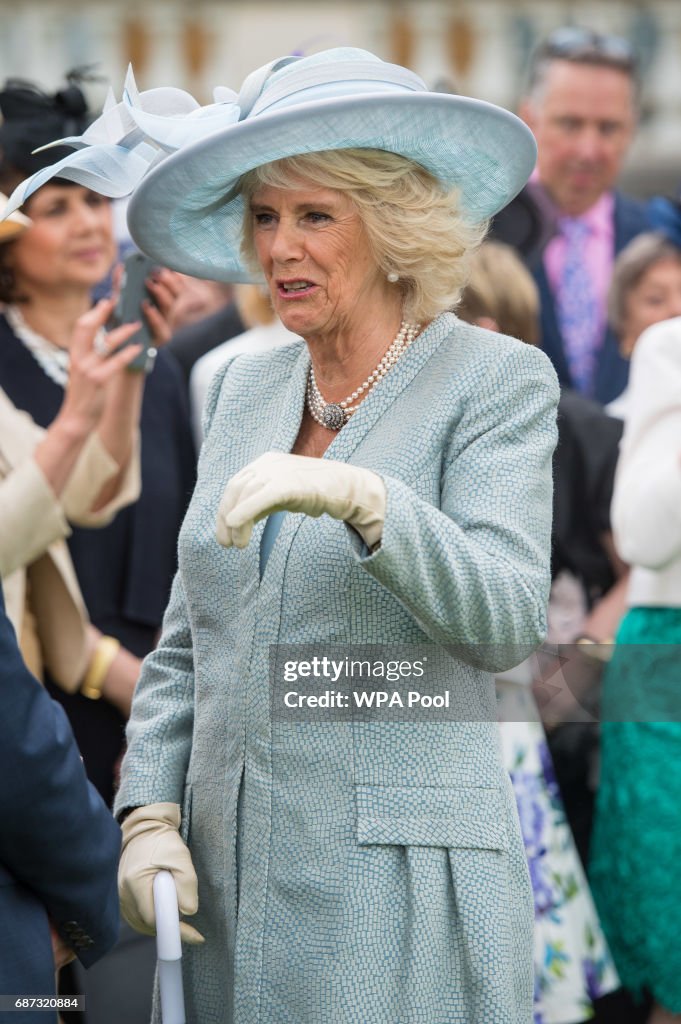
(478, 47)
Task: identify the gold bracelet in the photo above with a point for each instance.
(106, 650)
(596, 650)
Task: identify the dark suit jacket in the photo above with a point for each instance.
(59, 844)
(612, 371)
(191, 342)
(583, 478)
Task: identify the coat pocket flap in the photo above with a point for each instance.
(467, 817)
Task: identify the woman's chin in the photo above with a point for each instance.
(88, 275)
(296, 321)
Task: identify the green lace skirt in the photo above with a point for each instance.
(636, 843)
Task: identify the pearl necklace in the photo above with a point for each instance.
(52, 360)
(334, 415)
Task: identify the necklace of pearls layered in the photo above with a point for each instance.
(334, 415)
(52, 360)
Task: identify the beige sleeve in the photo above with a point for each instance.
(95, 467)
(31, 517)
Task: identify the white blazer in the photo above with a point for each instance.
(646, 508)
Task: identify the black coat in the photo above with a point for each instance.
(191, 342)
(584, 465)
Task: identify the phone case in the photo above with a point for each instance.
(128, 308)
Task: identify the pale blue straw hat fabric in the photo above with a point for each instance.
(182, 163)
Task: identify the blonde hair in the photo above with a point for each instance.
(415, 227)
(502, 289)
(254, 305)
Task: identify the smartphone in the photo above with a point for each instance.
(136, 269)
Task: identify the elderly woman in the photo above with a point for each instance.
(384, 481)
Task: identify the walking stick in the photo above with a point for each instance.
(169, 949)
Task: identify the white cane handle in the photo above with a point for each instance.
(168, 944)
(169, 949)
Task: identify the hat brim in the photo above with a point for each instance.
(15, 223)
(10, 229)
(185, 213)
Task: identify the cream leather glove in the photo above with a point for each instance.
(151, 843)
(279, 481)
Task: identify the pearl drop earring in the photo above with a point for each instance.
(393, 277)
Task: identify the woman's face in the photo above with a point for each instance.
(69, 244)
(316, 258)
(656, 296)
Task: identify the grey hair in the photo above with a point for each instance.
(545, 56)
(632, 263)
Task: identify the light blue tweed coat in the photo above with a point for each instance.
(357, 873)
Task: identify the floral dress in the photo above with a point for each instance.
(573, 965)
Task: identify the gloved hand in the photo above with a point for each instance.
(151, 843)
(277, 481)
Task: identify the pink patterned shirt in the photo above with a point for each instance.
(600, 250)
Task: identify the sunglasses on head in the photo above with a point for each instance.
(573, 42)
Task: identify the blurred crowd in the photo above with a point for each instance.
(97, 465)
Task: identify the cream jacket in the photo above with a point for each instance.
(33, 525)
(646, 509)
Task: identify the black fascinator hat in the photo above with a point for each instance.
(32, 118)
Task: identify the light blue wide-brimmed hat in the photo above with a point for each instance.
(182, 162)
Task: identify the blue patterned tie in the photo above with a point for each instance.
(577, 306)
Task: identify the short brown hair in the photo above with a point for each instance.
(631, 264)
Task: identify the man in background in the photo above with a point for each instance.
(581, 104)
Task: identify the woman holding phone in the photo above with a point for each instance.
(46, 279)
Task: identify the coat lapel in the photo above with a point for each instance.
(286, 414)
(378, 401)
(281, 425)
